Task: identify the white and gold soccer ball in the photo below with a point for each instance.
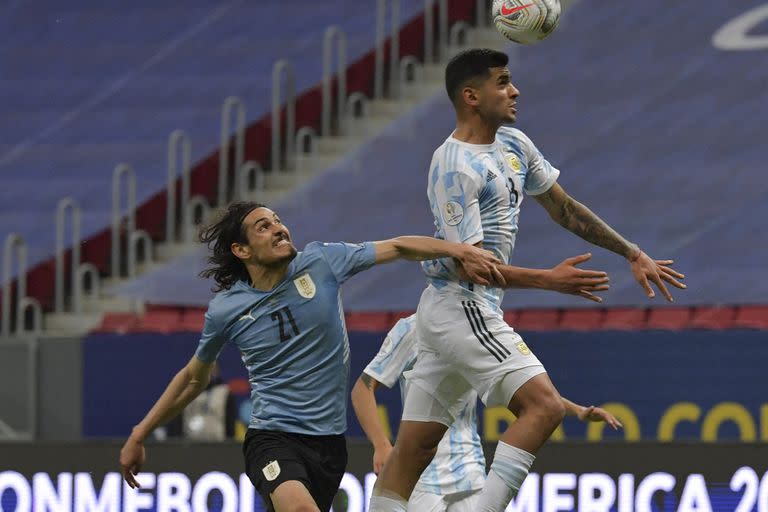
(526, 21)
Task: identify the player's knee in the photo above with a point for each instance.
(551, 410)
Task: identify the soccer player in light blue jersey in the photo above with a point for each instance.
(475, 186)
(454, 478)
(282, 310)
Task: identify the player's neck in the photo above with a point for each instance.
(475, 131)
(266, 277)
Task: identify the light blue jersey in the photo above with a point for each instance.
(475, 192)
(292, 339)
(459, 464)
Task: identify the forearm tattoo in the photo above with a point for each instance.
(581, 221)
(368, 381)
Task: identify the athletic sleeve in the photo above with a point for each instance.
(212, 339)
(541, 175)
(455, 204)
(346, 260)
(397, 354)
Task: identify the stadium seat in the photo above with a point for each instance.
(163, 321)
(120, 323)
(510, 316)
(538, 320)
(751, 317)
(369, 322)
(671, 319)
(719, 317)
(625, 319)
(397, 315)
(582, 319)
(192, 319)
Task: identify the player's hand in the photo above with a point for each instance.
(479, 266)
(567, 278)
(593, 413)
(132, 457)
(647, 271)
(380, 456)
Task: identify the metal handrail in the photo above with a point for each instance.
(482, 18)
(37, 317)
(13, 241)
(121, 170)
(197, 202)
(59, 279)
(394, 54)
(409, 61)
(459, 29)
(283, 67)
(429, 30)
(134, 238)
(176, 138)
(232, 102)
(334, 33)
(248, 169)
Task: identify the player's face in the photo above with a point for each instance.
(498, 98)
(269, 241)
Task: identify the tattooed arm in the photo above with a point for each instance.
(367, 412)
(580, 220)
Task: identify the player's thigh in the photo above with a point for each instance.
(273, 459)
(426, 502)
(463, 502)
(493, 358)
(293, 496)
(536, 392)
(326, 462)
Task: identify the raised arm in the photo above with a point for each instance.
(480, 265)
(185, 386)
(367, 412)
(580, 220)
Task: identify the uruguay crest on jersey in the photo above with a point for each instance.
(305, 286)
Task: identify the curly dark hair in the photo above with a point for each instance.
(226, 268)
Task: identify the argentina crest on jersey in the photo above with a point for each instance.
(305, 286)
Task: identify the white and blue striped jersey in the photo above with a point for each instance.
(475, 192)
(292, 339)
(459, 464)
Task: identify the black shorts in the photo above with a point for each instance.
(272, 458)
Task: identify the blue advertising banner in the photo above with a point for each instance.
(689, 385)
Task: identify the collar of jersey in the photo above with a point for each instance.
(476, 147)
(288, 274)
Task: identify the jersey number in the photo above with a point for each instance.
(512, 192)
(280, 316)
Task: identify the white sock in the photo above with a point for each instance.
(387, 504)
(509, 468)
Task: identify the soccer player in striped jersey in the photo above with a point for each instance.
(455, 476)
(475, 187)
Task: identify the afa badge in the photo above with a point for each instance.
(522, 348)
(514, 162)
(305, 286)
(271, 470)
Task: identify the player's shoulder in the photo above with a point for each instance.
(452, 157)
(222, 305)
(513, 138)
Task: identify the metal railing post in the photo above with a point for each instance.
(60, 280)
(121, 170)
(429, 30)
(283, 67)
(176, 138)
(334, 33)
(247, 170)
(13, 241)
(232, 102)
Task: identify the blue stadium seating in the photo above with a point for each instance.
(653, 127)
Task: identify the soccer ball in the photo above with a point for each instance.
(526, 21)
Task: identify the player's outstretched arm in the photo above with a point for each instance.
(366, 409)
(480, 265)
(580, 220)
(185, 386)
(591, 413)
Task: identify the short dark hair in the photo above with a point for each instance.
(469, 65)
(226, 268)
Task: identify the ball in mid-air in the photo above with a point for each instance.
(526, 21)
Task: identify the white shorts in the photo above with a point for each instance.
(464, 345)
(427, 502)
